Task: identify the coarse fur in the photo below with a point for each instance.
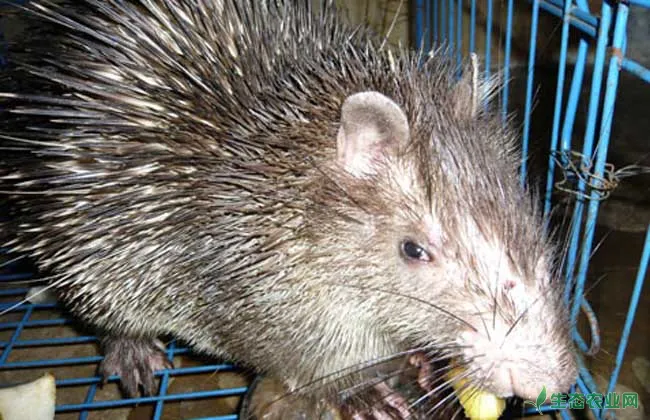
(175, 165)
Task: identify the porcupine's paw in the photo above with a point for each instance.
(388, 405)
(425, 375)
(134, 360)
(391, 405)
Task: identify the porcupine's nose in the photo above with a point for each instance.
(506, 381)
(512, 370)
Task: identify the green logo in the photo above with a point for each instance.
(594, 400)
(540, 400)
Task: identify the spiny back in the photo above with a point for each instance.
(192, 70)
(149, 110)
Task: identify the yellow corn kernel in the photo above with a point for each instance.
(478, 405)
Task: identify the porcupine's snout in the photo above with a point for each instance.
(521, 369)
(520, 356)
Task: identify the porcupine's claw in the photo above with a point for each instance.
(419, 360)
(134, 360)
(390, 406)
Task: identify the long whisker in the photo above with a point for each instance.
(357, 368)
(453, 394)
(480, 314)
(375, 382)
(593, 252)
(25, 282)
(43, 290)
(461, 389)
(477, 388)
(566, 242)
(594, 284)
(11, 261)
(383, 378)
(442, 386)
(416, 299)
(523, 313)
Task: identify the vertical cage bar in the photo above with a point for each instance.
(564, 50)
(427, 27)
(433, 5)
(586, 381)
(164, 383)
(629, 320)
(443, 22)
(459, 36)
(592, 113)
(506, 66)
(15, 335)
(529, 90)
(574, 95)
(452, 43)
(419, 23)
(90, 396)
(587, 388)
(472, 28)
(603, 146)
(488, 39)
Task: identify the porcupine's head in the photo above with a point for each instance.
(441, 247)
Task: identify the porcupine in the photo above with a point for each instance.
(277, 188)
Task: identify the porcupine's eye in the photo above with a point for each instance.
(414, 252)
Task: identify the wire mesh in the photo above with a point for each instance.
(603, 40)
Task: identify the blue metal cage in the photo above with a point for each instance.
(87, 386)
(603, 34)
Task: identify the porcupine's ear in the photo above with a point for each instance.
(371, 124)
